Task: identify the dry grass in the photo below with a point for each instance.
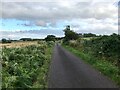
(18, 44)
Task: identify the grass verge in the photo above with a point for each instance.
(105, 67)
(42, 82)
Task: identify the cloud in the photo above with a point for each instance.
(58, 0)
(41, 23)
(97, 16)
(56, 10)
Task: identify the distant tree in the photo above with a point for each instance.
(68, 27)
(9, 40)
(37, 39)
(5, 40)
(59, 38)
(50, 38)
(26, 39)
(89, 35)
(114, 34)
(69, 34)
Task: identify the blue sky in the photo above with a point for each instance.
(14, 25)
(39, 19)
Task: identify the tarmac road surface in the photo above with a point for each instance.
(68, 71)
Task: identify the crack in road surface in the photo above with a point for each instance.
(68, 71)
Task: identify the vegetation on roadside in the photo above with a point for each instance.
(102, 52)
(26, 67)
(104, 66)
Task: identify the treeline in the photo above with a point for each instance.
(4, 40)
(89, 35)
(48, 38)
(30, 39)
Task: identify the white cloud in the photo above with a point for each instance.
(55, 10)
(58, 0)
(41, 23)
(97, 16)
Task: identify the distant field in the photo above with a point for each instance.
(18, 44)
(89, 38)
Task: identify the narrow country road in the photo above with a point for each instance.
(68, 71)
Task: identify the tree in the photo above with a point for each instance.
(89, 35)
(5, 40)
(50, 38)
(26, 39)
(69, 34)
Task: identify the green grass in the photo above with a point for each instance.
(44, 71)
(26, 67)
(104, 66)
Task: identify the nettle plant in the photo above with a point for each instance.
(21, 66)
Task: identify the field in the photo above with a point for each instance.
(27, 65)
(18, 44)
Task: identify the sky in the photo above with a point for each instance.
(37, 18)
